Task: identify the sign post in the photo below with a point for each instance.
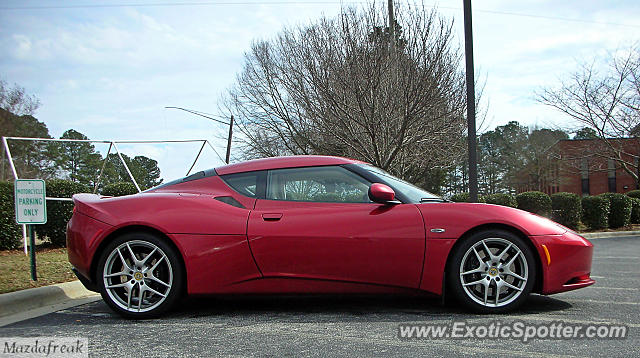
(31, 209)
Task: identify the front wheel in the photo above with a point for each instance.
(139, 275)
(492, 272)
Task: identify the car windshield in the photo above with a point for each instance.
(412, 192)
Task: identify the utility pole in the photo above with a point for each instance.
(392, 24)
(471, 104)
(228, 157)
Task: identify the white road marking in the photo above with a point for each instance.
(616, 288)
(605, 302)
(537, 317)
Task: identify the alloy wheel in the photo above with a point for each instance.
(138, 276)
(494, 272)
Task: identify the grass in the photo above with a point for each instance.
(52, 267)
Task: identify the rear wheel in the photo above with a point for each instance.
(492, 272)
(139, 275)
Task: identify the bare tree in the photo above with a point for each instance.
(608, 103)
(31, 159)
(16, 100)
(344, 86)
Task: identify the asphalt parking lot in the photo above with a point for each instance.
(359, 326)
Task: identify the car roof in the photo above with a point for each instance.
(284, 162)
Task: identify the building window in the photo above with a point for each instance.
(584, 174)
(612, 176)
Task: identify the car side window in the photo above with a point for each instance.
(247, 184)
(331, 184)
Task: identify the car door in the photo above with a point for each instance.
(318, 223)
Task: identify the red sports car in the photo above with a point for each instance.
(314, 224)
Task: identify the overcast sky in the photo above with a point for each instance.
(109, 71)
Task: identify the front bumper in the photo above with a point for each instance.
(566, 262)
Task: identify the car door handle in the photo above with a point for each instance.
(271, 217)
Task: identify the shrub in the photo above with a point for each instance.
(10, 232)
(595, 212)
(119, 189)
(536, 202)
(59, 212)
(460, 198)
(620, 209)
(635, 211)
(566, 209)
(499, 199)
(634, 194)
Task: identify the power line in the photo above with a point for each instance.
(547, 17)
(294, 2)
(165, 4)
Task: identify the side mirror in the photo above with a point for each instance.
(382, 194)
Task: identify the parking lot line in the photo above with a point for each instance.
(543, 318)
(604, 302)
(615, 288)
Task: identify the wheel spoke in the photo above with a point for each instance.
(143, 262)
(511, 273)
(155, 279)
(133, 256)
(486, 293)
(140, 296)
(477, 254)
(156, 265)
(504, 252)
(117, 274)
(129, 292)
(124, 284)
(512, 260)
(155, 292)
(486, 248)
(507, 284)
(124, 262)
(480, 281)
(475, 270)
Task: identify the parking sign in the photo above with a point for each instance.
(30, 201)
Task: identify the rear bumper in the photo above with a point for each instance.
(83, 238)
(568, 263)
(88, 284)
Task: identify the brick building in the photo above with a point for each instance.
(583, 167)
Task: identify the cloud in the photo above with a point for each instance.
(22, 47)
(109, 72)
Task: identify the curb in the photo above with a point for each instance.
(607, 234)
(33, 298)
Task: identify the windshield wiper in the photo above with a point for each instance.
(433, 200)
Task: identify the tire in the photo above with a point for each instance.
(142, 287)
(474, 275)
